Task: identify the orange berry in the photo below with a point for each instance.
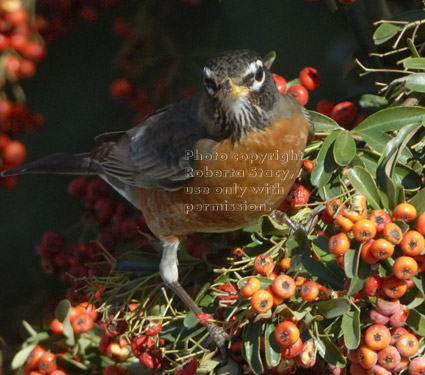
(276, 299)
(344, 223)
(56, 326)
(366, 254)
(261, 301)
(407, 344)
(377, 337)
(309, 291)
(333, 206)
(263, 264)
(405, 212)
(381, 249)
(364, 230)
(293, 350)
(286, 334)
(285, 264)
(339, 244)
(299, 281)
(251, 286)
(412, 243)
(405, 267)
(393, 233)
(389, 357)
(417, 366)
(83, 322)
(46, 363)
(420, 224)
(366, 357)
(284, 286)
(394, 288)
(380, 218)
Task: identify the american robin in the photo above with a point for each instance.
(214, 162)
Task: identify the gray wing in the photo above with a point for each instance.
(154, 154)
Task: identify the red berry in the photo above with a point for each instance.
(121, 89)
(17, 17)
(14, 153)
(310, 78)
(280, 82)
(344, 113)
(325, 107)
(300, 93)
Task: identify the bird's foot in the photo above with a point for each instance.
(219, 336)
(293, 226)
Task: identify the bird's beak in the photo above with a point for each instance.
(230, 90)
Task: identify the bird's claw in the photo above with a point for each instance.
(219, 336)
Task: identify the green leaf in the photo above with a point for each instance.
(272, 348)
(191, 320)
(334, 307)
(372, 101)
(419, 201)
(384, 32)
(351, 262)
(416, 82)
(20, 357)
(402, 174)
(414, 63)
(416, 322)
(329, 351)
(62, 310)
(323, 273)
(41, 336)
(351, 324)
(391, 194)
(231, 367)
(344, 148)
(325, 164)
(364, 183)
(62, 314)
(323, 124)
(269, 59)
(251, 347)
(373, 129)
(269, 227)
(360, 279)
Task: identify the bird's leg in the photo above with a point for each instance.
(168, 269)
(280, 216)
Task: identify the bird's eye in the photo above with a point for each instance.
(210, 85)
(259, 75)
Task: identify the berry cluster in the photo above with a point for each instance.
(60, 15)
(309, 80)
(114, 223)
(20, 48)
(380, 238)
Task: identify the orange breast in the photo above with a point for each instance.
(233, 185)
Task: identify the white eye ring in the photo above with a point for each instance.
(253, 69)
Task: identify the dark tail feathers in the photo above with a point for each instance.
(62, 163)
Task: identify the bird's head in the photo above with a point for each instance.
(239, 93)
